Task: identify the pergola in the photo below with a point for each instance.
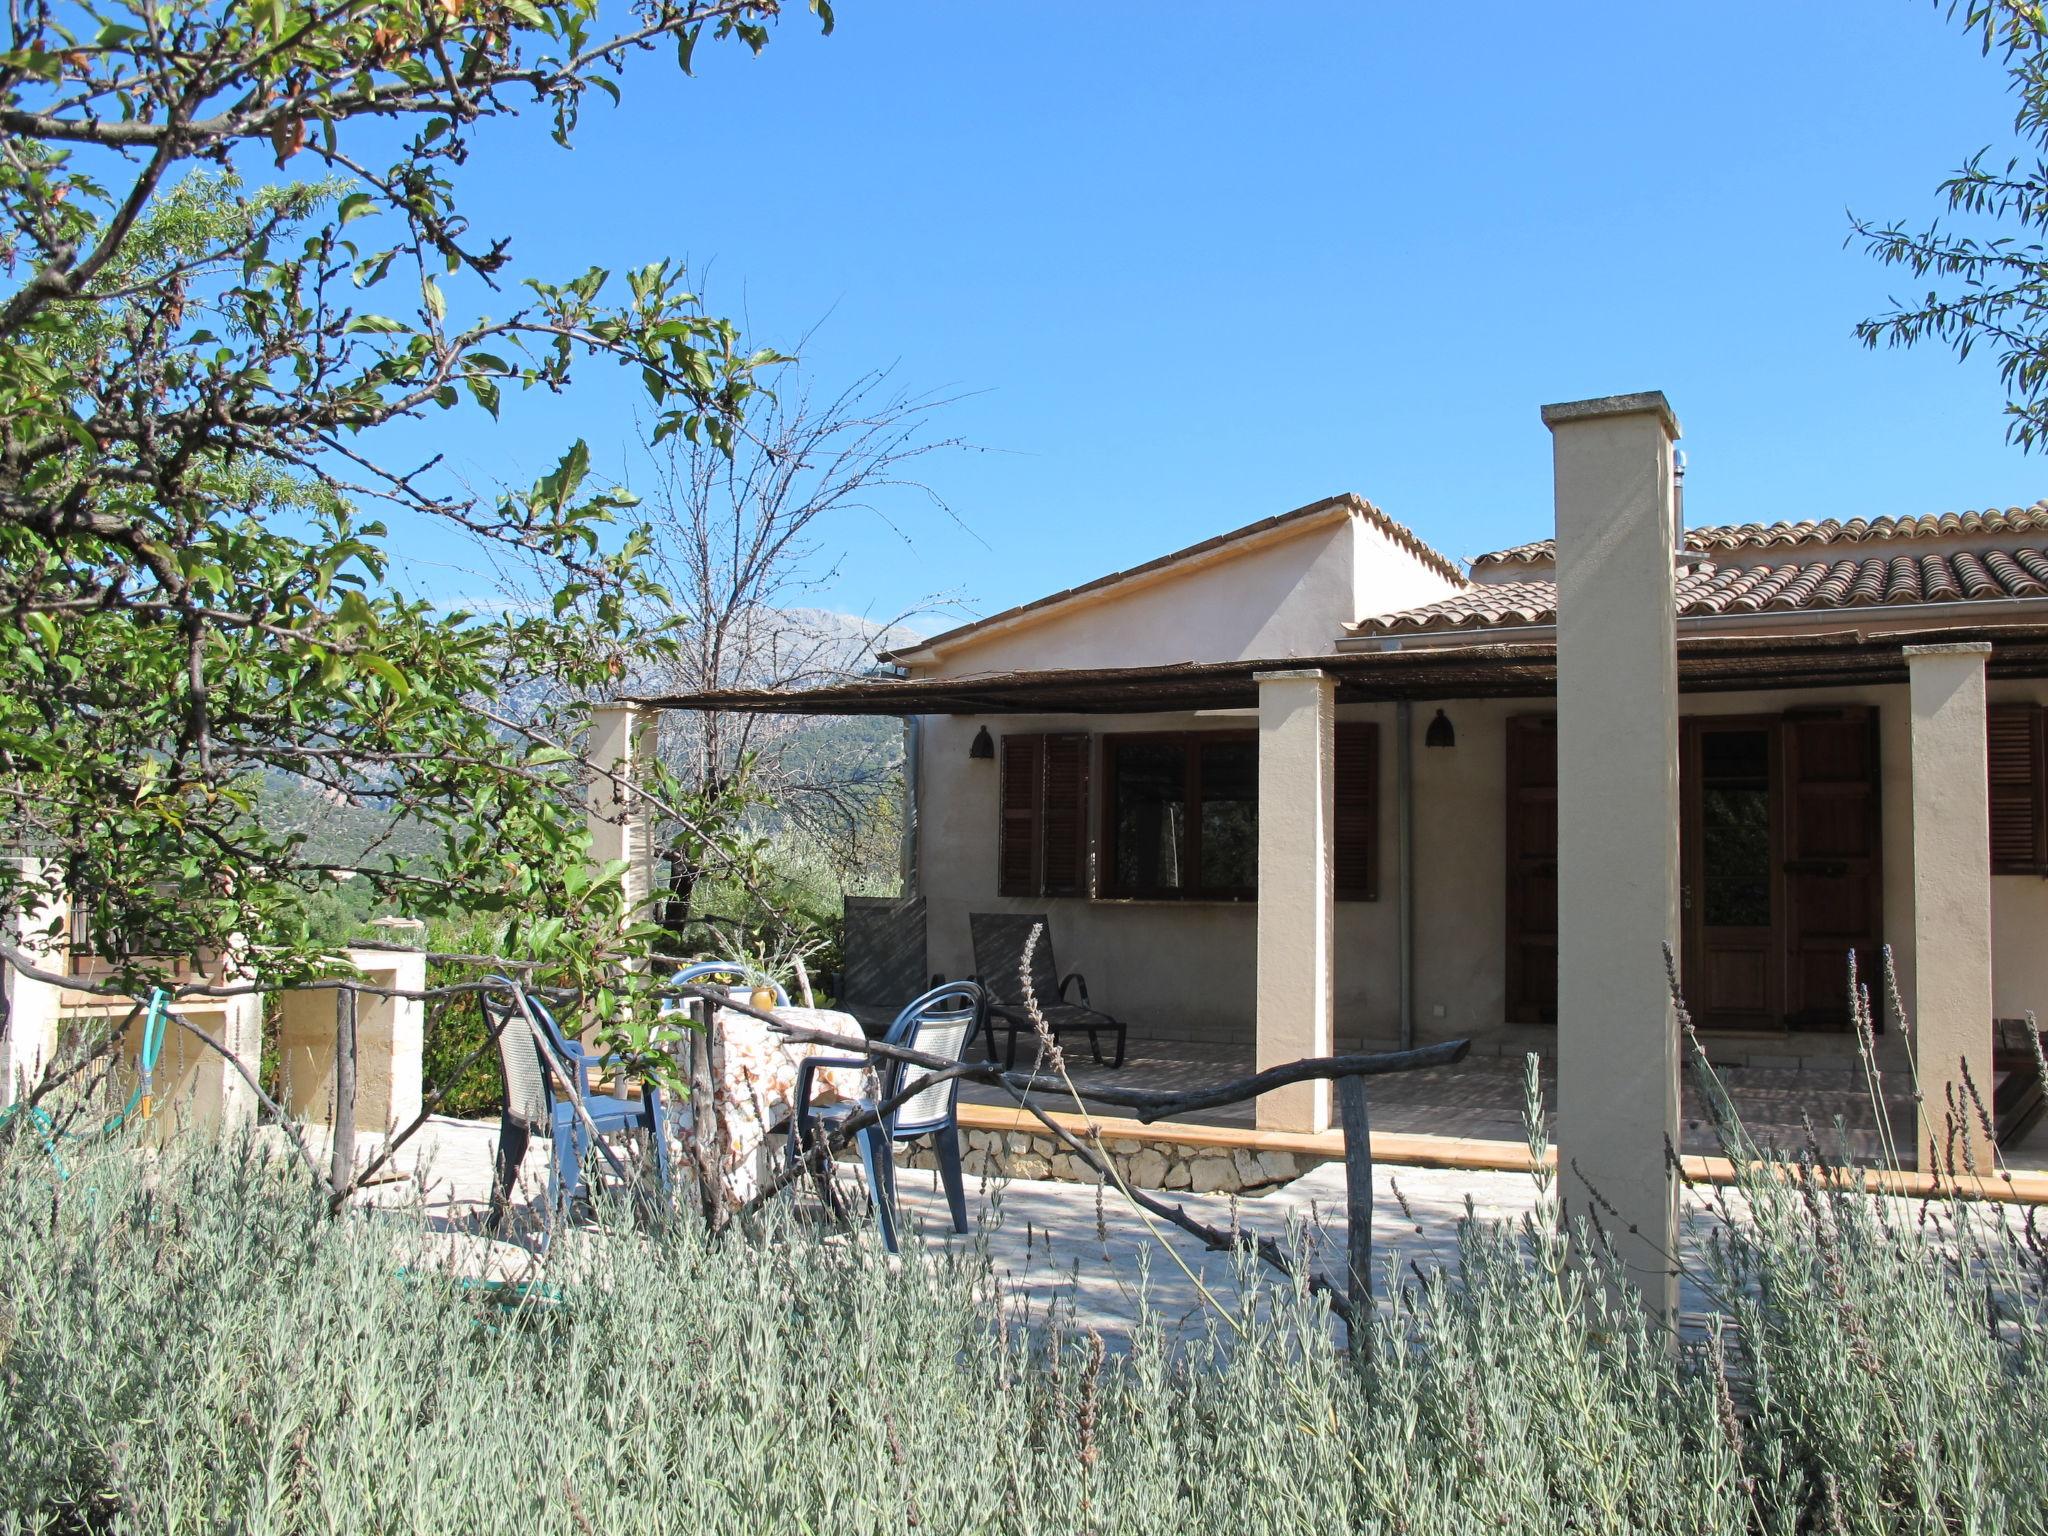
(1871, 652)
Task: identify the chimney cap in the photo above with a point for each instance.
(1649, 402)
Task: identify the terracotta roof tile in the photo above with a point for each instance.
(1857, 530)
(1793, 586)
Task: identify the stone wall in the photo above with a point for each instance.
(1144, 1163)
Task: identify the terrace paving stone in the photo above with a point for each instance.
(1064, 1255)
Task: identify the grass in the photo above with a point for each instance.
(187, 1344)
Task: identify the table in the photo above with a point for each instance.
(747, 1072)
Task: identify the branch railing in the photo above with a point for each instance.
(1349, 1299)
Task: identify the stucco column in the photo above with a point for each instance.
(1297, 888)
(1617, 810)
(1951, 999)
(390, 1046)
(29, 1039)
(621, 745)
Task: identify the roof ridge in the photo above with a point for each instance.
(1857, 530)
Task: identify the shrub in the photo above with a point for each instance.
(188, 1344)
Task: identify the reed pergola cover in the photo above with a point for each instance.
(1706, 664)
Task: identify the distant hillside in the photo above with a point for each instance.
(338, 833)
(823, 749)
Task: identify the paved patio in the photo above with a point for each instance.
(1076, 1254)
(1482, 1098)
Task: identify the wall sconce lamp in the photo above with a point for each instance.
(984, 744)
(1441, 732)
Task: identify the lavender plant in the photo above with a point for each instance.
(188, 1344)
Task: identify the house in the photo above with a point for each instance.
(1107, 755)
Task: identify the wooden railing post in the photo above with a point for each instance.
(342, 1160)
(1351, 1112)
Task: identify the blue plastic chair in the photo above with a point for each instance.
(536, 1099)
(942, 1023)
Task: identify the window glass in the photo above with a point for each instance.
(1735, 817)
(1230, 815)
(1150, 796)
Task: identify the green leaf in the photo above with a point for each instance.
(388, 672)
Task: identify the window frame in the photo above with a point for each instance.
(1109, 883)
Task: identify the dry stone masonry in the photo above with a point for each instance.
(1145, 1164)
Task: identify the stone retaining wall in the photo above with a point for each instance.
(1144, 1164)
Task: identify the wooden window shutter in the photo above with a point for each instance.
(1063, 816)
(2014, 749)
(1044, 839)
(1357, 773)
(1018, 852)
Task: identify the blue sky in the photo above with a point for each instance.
(1192, 265)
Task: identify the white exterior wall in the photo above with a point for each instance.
(29, 1009)
(1276, 600)
(390, 1046)
(1177, 969)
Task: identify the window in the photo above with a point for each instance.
(1180, 816)
(1043, 849)
(2014, 747)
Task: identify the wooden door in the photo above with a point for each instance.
(1532, 870)
(1833, 874)
(1731, 904)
